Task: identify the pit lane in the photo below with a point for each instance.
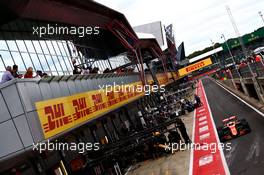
(246, 156)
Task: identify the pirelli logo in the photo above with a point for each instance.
(195, 66)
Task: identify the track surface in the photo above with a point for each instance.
(246, 156)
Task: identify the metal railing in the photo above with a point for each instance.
(250, 70)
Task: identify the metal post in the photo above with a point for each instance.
(43, 55)
(223, 36)
(44, 41)
(42, 67)
(236, 31)
(57, 56)
(214, 54)
(62, 57)
(3, 61)
(261, 15)
(234, 63)
(66, 53)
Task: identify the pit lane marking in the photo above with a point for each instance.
(203, 129)
(204, 136)
(201, 110)
(202, 118)
(203, 123)
(204, 160)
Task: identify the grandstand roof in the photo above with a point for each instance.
(75, 12)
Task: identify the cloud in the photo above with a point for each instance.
(195, 22)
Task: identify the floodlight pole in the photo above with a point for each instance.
(230, 53)
(261, 16)
(214, 54)
(234, 63)
(237, 31)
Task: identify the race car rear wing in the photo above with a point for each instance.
(228, 119)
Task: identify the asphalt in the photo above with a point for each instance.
(246, 156)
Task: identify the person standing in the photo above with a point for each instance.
(29, 73)
(15, 72)
(7, 76)
(183, 130)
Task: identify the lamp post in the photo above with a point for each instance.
(214, 54)
(230, 53)
(234, 63)
(261, 15)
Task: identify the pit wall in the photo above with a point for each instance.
(250, 90)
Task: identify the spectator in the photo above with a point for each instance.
(39, 74)
(118, 71)
(15, 72)
(29, 73)
(90, 69)
(86, 71)
(183, 131)
(76, 70)
(73, 61)
(7, 76)
(258, 58)
(45, 74)
(107, 70)
(95, 70)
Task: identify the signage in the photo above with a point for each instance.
(61, 114)
(195, 66)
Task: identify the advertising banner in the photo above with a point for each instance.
(60, 114)
(196, 66)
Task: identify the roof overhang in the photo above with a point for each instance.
(74, 12)
(151, 45)
(219, 49)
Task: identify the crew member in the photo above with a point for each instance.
(183, 131)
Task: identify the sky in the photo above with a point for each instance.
(195, 22)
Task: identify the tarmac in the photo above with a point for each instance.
(173, 164)
(246, 156)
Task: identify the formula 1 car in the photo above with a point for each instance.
(233, 127)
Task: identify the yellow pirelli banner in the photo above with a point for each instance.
(195, 66)
(60, 114)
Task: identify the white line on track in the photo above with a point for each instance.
(192, 151)
(252, 107)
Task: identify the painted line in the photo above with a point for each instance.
(217, 137)
(203, 129)
(249, 105)
(199, 115)
(204, 136)
(206, 160)
(203, 123)
(128, 170)
(201, 110)
(191, 154)
(202, 118)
